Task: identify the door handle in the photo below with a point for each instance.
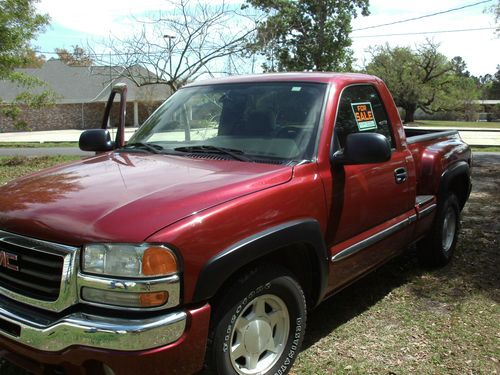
(400, 175)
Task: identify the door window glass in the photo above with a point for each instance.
(361, 110)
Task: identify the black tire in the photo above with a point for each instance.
(436, 250)
(267, 289)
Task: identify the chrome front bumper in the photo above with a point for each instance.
(90, 330)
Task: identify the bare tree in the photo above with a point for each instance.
(179, 44)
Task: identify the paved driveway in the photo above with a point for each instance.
(41, 151)
(68, 135)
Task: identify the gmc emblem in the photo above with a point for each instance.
(6, 260)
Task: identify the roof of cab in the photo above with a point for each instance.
(320, 77)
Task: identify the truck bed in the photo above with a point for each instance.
(433, 152)
(416, 135)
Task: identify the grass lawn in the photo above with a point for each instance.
(485, 148)
(12, 167)
(37, 144)
(402, 319)
(456, 124)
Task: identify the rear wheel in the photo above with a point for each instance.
(258, 326)
(438, 247)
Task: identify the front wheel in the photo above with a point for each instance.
(438, 247)
(259, 325)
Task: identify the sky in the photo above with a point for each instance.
(82, 22)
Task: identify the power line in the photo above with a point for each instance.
(154, 53)
(425, 16)
(104, 53)
(426, 32)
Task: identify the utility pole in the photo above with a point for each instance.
(169, 37)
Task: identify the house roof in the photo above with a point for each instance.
(80, 84)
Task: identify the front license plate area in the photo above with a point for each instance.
(10, 328)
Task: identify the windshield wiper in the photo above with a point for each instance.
(151, 147)
(235, 154)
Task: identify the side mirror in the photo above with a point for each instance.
(98, 140)
(363, 148)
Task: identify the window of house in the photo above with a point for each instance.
(361, 110)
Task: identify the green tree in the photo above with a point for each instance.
(306, 34)
(464, 91)
(424, 79)
(31, 59)
(459, 66)
(492, 85)
(19, 24)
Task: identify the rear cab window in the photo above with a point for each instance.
(360, 109)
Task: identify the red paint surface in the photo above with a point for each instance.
(124, 197)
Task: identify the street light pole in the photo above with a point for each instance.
(169, 37)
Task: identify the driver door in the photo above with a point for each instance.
(375, 199)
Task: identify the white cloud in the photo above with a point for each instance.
(97, 17)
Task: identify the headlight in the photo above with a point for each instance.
(129, 260)
(129, 275)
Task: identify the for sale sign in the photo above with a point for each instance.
(363, 113)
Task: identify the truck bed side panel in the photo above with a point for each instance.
(435, 155)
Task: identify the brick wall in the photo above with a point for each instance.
(74, 116)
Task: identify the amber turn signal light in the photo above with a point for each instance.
(157, 261)
(153, 299)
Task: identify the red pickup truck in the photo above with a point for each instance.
(240, 204)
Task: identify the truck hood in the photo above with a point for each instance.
(125, 197)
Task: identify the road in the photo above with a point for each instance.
(42, 151)
(65, 135)
(473, 137)
(481, 138)
(487, 157)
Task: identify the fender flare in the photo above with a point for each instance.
(455, 170)
(221, 266)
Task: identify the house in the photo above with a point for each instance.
(82, 93)
(490, 110)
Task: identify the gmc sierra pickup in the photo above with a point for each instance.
(239, 205)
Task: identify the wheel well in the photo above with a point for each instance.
(299, 259)
(459, 185)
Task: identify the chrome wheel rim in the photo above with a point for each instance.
(449, 227)
(259, 335)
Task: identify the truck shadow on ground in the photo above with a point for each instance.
(473, 271)
(360, 296)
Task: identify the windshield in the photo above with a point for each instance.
(262, 121)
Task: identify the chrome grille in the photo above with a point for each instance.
(38, 275)
(43, 275)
